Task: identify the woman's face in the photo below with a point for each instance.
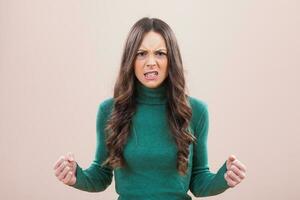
(151, 63)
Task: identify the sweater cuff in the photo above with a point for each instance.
(79, 178)
(221, 179)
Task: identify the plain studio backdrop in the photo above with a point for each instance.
(59, 60)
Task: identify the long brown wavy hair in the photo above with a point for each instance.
(179, 111)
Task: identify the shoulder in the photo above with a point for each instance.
(106, 105)
(197, 105)
(199, 109)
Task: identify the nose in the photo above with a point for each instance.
(150, 61)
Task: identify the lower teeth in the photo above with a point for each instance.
(151, 76)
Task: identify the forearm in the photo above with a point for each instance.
(204, 183)
(93, 179)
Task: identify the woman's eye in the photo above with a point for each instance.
(161, 54)
(141, 54)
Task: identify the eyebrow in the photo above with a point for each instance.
(155, 50)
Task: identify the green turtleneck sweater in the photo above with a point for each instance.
(150, 154)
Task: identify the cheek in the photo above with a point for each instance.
(138, 68)
(164, 67)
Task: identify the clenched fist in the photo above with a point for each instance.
(65, 168)
(236, 171)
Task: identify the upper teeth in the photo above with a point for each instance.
(151, 72)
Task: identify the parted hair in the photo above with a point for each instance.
(179, 111)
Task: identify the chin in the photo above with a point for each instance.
(152, 85)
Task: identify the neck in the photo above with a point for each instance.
(147, 95)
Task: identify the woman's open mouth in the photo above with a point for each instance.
(151, 75)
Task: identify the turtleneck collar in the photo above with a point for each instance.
(147, 95)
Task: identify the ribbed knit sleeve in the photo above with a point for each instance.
(203, 182)
(96, 178)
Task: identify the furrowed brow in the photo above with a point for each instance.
(162, 50)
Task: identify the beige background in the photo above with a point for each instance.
(59, 60)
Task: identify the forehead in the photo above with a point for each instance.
(153, 40)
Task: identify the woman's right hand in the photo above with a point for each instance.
(65, 169)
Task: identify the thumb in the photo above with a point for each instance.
(232, 158)
(70, 156)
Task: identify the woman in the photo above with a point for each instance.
(151, 134)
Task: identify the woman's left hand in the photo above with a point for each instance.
(236, 171)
